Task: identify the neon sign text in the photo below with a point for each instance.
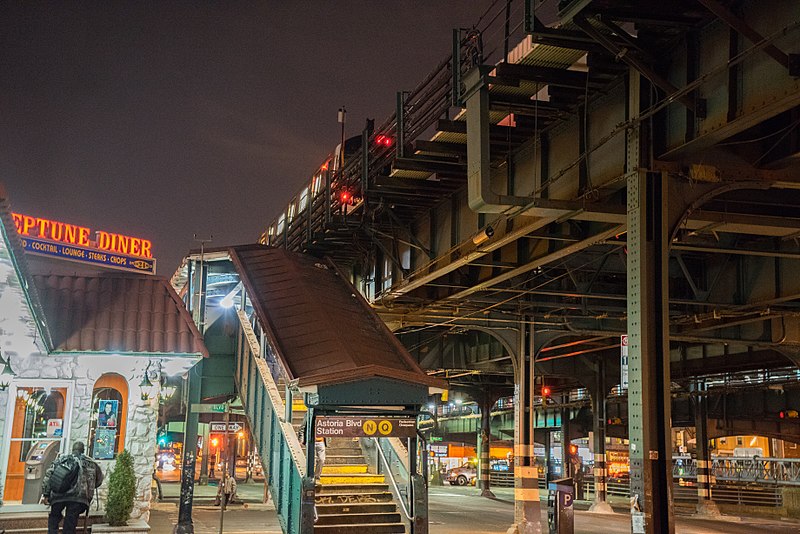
(71, 234)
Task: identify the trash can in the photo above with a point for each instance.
(560, 498)
(38, 460)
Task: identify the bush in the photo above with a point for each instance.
(121, 491)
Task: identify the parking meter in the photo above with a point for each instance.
(560, 499)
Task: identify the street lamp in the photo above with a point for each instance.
(7, 375)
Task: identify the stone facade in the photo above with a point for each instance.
(21, 343)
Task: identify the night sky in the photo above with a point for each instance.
(166, 119)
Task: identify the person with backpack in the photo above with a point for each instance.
(68, 487)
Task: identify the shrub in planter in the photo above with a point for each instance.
(121, 491)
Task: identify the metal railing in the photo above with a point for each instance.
(402, 496)
(282, 456)
(776, 471)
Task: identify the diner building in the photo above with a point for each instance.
(86, 354)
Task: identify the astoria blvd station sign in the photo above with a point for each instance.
(346, 426)
(46, 237)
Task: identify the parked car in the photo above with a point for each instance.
(462, 475)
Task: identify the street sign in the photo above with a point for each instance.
(208, 408)
(435, 438)
(219, 426)
(347, 426)
(438, 451)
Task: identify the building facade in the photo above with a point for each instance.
(86, 357)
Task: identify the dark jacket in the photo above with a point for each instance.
(89, 478)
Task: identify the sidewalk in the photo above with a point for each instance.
(251, 517)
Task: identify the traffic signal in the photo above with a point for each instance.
(573, 449)
(383, 140)
(545, 392)
(788, 414)
(214, 442)
(345, 196)
(614, 421)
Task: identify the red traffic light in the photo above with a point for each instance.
(573, 449)
(383, 140)
(545, 391)
(789, 414)
(345, 197)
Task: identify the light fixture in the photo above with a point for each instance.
(8, 373)
(145, 384)
(483, 236)
(166, 393)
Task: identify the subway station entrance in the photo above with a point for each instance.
(331, 396)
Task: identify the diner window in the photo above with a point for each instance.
(107, 419)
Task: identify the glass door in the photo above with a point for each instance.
(38, 419)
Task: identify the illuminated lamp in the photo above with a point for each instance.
(573, 449)
(7, 375)
(145, 384)
(345, 197)
(483, 236)
(214, 442)
(545, 391)
(240, 434)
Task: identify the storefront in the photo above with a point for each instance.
(84, 358)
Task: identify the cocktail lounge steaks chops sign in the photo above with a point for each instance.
(342, 426)
(72, 242)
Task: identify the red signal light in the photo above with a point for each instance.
(344, 197)
(384, 140)
(545, 391)
(573, 449)
(214, 442)
(324, 166)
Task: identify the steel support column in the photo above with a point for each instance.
(566, 464)
(195, 380)
(648, 335)
(705, 504)
(484, 445)
(599, 441)
(527, 515)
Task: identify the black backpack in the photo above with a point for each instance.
(65, 474)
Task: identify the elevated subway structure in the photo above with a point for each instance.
(573, 172)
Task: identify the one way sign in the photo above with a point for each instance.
(219, 426)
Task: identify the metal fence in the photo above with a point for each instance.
(778, 471)
(282, 456)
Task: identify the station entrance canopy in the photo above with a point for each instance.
(303, 331)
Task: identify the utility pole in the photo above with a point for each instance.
(193, 385)
(224, 479)
(342, 119)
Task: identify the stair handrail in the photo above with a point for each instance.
(280, 451)
(392, 479)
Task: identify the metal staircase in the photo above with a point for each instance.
(351, 499)
(273, 433)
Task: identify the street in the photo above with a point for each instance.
(453, 510)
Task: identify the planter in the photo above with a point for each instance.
(134, 526)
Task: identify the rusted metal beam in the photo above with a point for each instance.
(726, 16)
(623, 53)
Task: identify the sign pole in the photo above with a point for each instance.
(224, 479)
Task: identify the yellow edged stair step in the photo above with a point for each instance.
(343, 469)
(352, 478)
